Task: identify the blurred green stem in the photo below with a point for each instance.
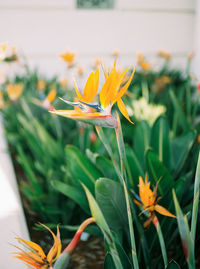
(145, 91)
(174, 124)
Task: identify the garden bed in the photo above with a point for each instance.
(71, 172)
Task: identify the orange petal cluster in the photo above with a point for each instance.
(112, 91)
(14, 91)
(35, 257)
(149, 202)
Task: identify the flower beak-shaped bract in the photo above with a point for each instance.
(149, 202)
(35, 257)
(99, 113)
(46, 100)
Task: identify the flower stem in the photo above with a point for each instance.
(161, 239)
(122, 154)
(72, 245)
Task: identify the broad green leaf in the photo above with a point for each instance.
(181, 147)
(101, 222)
(160, 140)
(81, 169)
(141, 141)
(157, 171)
(112, 203)
(134, 166)
(106, 167)
(73, 193)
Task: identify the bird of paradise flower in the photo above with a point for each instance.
(99, 113)
(35, 257)
(149, 201)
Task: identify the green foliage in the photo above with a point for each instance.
(62, 184)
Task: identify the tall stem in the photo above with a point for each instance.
(161, 239)
(72, 245)
(122, 154)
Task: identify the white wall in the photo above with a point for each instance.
(45, 28)
(196, 63)
(12, 221)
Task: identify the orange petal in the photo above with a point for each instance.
(51, 95)
(91, 87)
(163, 211)
(77, 91)
(137, 202)
(55, 251)
(33, 246)
(104, 90)
(123, 109)
(124, 88)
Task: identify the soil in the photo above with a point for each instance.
(89, 254)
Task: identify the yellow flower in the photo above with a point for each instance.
(97, 62)
(149, 201)
(35, 257)
(164, 54)
(63, 82)
(142, 62)
(2, 102)
(41, 84)
(100, 113)
(80, 70)
(160, 83)
(8, 54)
(14, 91)
(116, 52)
(3, 49)
(113, 90)
(46, 102)
(69, 57)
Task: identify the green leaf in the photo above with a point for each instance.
(173, 265)
(101, 222)
(106, 167)
(181, 147)
(134, 166)
(181, 115)
(81, 169)
(160, 140)
(195, 200)
(62, 262)
(73, 193)
(157, 171)
(29, 171)
(185, 234)
(141, 141)
(108, 262)
(113, 205)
